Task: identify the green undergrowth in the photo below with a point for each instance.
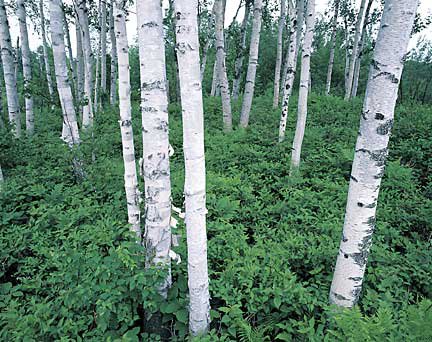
(70, 270)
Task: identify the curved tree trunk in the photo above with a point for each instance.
(26, 62)
(221, 67)
(154, 107)
(113, 82)
(130, 173)
(304, 85)
(277, 77)
(238, 68)
(291, 69)
(45, 52)
(87, 114)
(70, 132)
(371, 150)
(253, 63)
(193, 146)
(7, 57)
(332, 47)
(354, 54)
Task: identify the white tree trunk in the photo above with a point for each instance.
(27, 71)
(87, 114)
(357, 36)
(371, 150)
(215, 83)
(1, 177)
(154, 107)
(113, 82)
(253, 63)
(45, 52)
(278, 66)
(130, 173)
(241, 53)
(70, 132)
(221, 67)
(7, 56)
(96, 84)
(193, 146)
(79, 62)
(103, 49)
(291, 69)
(332, 47)
(304, 85)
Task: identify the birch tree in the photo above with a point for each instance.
(253, 62)
(113, 81)
(27, 70)
(357, 36)
(221, 67)
(304, 85)
(70, 132)
(87, 114)
(238, 67)
(193, 146)
(291, 67)
(130, 174)
(371, 150)
(72, 67)
(278, 66)
(332, 46)
(154, 107)
(7, 57)
(79, 62)
(45, 52)
(103, 56)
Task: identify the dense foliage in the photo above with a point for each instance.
(70, 270)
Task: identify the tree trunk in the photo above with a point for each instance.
(221, 67)
(291, 68)
(204, 58)
(45, 53)
(70, 132)
(354, 53)
(130, 173)
(371, 150)
(7, 56)
(103, 60)
(113, 85)
(241, 53)
(87, 114)
(17, 58)
(360, 51)
(80, 63)
(154, 107)
(72, 66)
(282, 19)
(215, 82)
(193, 147)
(332, 47)
(26, 62)
(96, 99)
(253, 63)
(304, 85)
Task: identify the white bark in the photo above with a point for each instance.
(278, 66)
(193, 147)
(113, 82)
(371, 150)
(103, 48)
(291, 69)
(45, 52)
(154, 107)
(1, 177)
(7, 56)
(304, 85)
(130, 173)
(79, 62)
(241, 53)
(26, 62)
(70, 132)
(357, 36)
(215, 84)
(253, 63)
(96, 98)
(221, 67)
(87, 114)
(332, 47)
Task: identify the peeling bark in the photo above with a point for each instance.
(371, 150)
(193, 146)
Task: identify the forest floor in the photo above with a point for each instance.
(70, 270)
